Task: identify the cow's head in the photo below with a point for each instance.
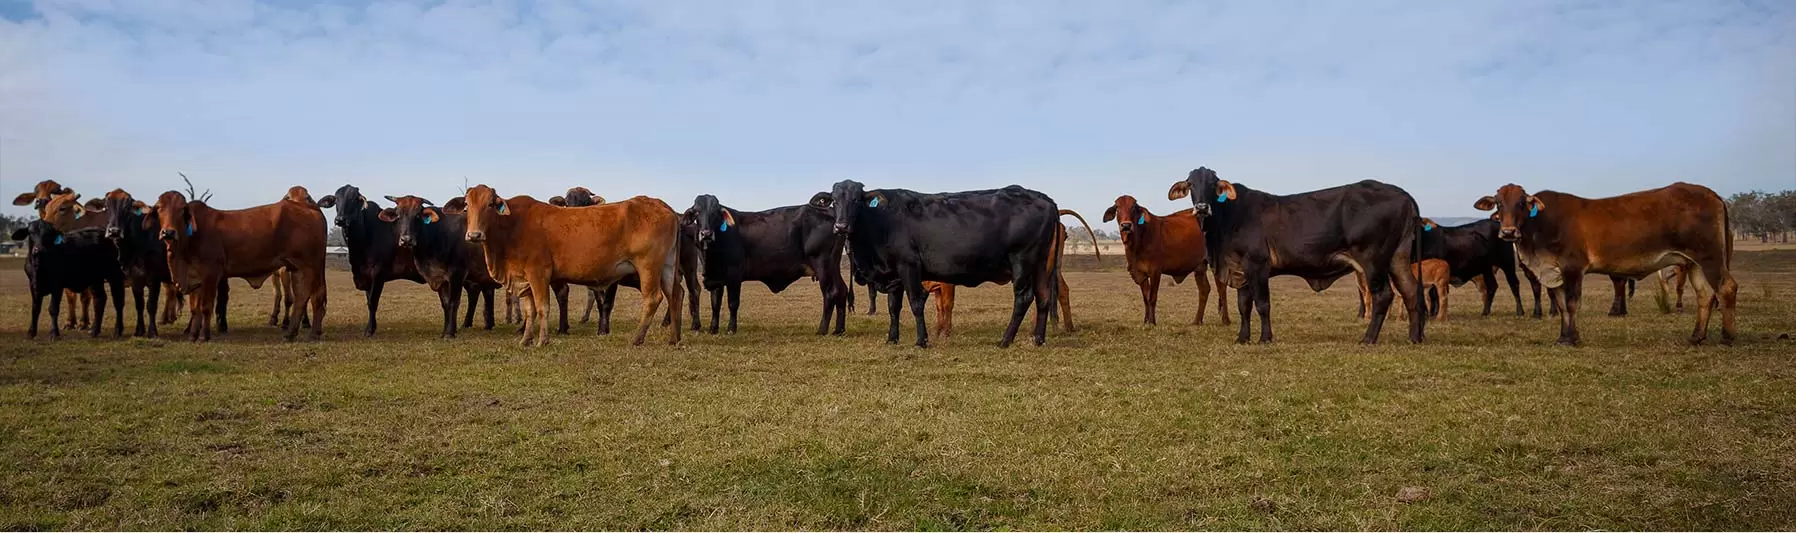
(455, 206)
(1513, 206)
(120, 210)
(848, 198)
(40, 195)
(1128, 214)
(483, 204)
(299, 194)
(38, 235)
(710, 217)
(63, 210)
(349, 203)
(406, 213)
(173, 216)
(1205, 189)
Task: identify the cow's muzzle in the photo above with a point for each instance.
(339, 222)
(113, 233)
(1509, 234)
(842, 229)
(1201, 210)
(168, 235)
(406, 241)
(476, 236)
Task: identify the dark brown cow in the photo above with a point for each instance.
(206, 246)
(944, 292)
(540, 244)
(1172, 245)
(1561, 237)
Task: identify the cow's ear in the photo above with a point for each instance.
(21, 233)
(727, 219)
(1180, 189)
(874, 199)
(1428, 224)
(150, 222)
(390, 198)
(25, 199)
(328, 201)
(1485, 204)
(557, 201)
(141, 208)
(598, 200)
(821, 200)
(1535, 206)
(1110, 214)
(504, 208)
(430, 215)
(1224, 189)
(389, 215)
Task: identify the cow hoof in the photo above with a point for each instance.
(1696, 340)
(1618, 313)
(712, 331)
(1563, 341)
(1727, 340)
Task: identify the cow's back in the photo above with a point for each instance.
(1626, 234)
(596, 238)
(260, 239)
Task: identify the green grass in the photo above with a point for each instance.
(1118, 426)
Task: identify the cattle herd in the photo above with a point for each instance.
(902, 243)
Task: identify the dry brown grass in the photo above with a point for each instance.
(1116, 426)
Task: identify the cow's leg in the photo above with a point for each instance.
(893, 301)
(829, 304)
(716, 309)
(735, 293)
(1203, 294)
(561, 294)
(154, 291)
(1147, 300)
(1620, 306)
(1378, 287)
(37, 309)
(274, 315)
(1487, 291)
(1440, 310)
(690, 282)
(488, 293)
(221, 307)
(873, 302)
(137, 298)
(56, 314)
(592, 300)
(169, 309)
(449, 312)
(1066, 305)
(605, 307)
(1262, 302)
(311, 282)
(1571, 295)
(96, 298)
(374, 290)
(1682, 274)
(1534, 287)
(1222, 296)
(1726, 298)
(1515, 289)
(1244, 303)
(913, 290)
(118, 308)
(473, 296)
(1045, 284)
(842, 295)
(670, 288)
(527, 309)
(75, 298)
(1707, 281)
(652, 295)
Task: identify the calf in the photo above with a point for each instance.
(775, 247)
(944, 304)
(448, 263)
(1171, 246)
(375, 256)
(1368, 228)
(689, 254)
(206, 246)
(1561, 237)
(902, 238)
(537, 244)
(80, 260)
(1473, 252)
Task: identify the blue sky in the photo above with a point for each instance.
(764, 102)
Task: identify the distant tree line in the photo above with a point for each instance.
(1766, 216)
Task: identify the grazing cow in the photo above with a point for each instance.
(82, 261)
(448, 263)
(375, 256)
(537, 244)
(775, 247)
(1368, 228)
(944, 292)
(1561, 237)
(206, 246)
(689, 254)
(902, 238)
(1172, 245)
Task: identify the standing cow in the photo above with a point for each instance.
(375, 256)
(1562, 237)
(606, 299)
(447, 262)
(775, 247)
(206, 246)
(80, 261)
(902, 238)
(1170, 245)
(1367, 228)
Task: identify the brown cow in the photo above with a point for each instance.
(540, 244)
(1172, 246)
(206, 246)
(1562, 237)
(944, 292)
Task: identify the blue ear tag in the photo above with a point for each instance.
(1222, 197)
(190, 228)
(723, 227)
(427, 220)
(503, 209)
(58, 239)
(874, 203)
(1533, 209)
(1428, 227)
(1141, 220)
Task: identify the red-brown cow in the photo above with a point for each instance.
(207, 246)
(1562, 237)
(1171, 246)
(541, 244)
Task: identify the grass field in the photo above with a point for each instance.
(1487, 426)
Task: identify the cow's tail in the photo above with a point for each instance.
(1055, 258)
(1093, 234)
(1727, 234)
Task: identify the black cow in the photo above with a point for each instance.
(604, 300)
(901, 238)
(141, 254)
(1473, 252)
(775, 247)
(79, 261)
(447, 262)
(1369, 227)
(375, 256)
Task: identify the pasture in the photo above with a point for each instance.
(1118, 426)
